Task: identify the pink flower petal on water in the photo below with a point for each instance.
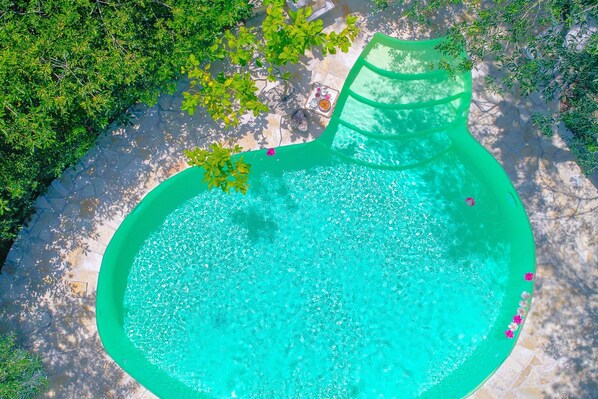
(509, 334)
(470, 201)
(517, 319)
(270, 152)
(529, 276)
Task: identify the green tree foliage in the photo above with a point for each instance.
(380, 4)
(540, 46)
(283, 38)
(221, 170)
(21, 374)
(68, 68)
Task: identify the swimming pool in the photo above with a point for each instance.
(385, 259)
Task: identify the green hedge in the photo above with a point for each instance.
(68, 68)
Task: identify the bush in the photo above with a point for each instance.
(69, 68)
(21, 374)
(581, 118)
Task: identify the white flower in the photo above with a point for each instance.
(525, 295)
(523, 304)
(522, 312)
(513, 326)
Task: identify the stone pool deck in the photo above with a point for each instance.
(48, 283)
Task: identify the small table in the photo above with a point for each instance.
(319, 92)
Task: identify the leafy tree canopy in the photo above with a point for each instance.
(220, 169)
(68, 68)
(250, 53)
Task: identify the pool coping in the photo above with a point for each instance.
(109, 318)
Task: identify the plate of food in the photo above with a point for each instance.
(324, 105)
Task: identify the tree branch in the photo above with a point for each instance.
(108, 30)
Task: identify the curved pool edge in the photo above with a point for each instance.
(161, 201)
(479, 159)
(112, 279)
(172, 192)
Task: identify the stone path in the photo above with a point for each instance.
(48, 283)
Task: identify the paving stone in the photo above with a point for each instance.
(111, 155)
(10, 268)
(15, 255)
(113, 222)
(99, 183)
(529, 342)
(504, 378)
(522, 356)
(57, 204)
(530, 393)
(46, 235)
(88, 191)
(42, 203)
(483, 393)
(46, 219)
(522, 377)
(35, 320)
(78, 288)
(88, 207)
(104, 233)
(91, 262)
(59, 187)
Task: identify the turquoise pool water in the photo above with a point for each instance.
(353, 268)
(334, 281)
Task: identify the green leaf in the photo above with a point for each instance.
(220, 169)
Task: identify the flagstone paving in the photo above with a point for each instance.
(48, 283)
